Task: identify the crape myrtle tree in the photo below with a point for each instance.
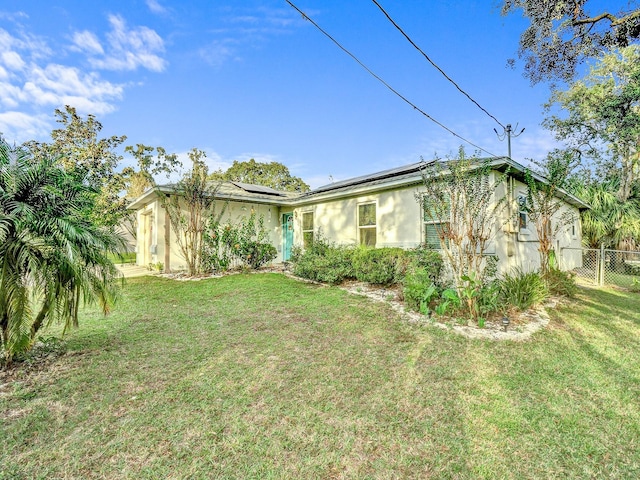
(190, 206)
(151, 161)
(461, 202)
(53, 257)
(543, 204)
(565, 33)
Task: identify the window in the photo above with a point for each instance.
(434, 226)
(522, 212)
(307, 229)
(367, 224)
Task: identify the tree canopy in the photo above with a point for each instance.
(564, 33)
(272, 174)
(77, 147)
(602, 118)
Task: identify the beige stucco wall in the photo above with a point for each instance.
(152, 248)
(397, 218)
(518, 248)
(399, 223)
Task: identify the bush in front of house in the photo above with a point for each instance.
(420, 275)
(419, 290)
(323, 261)
(244, 243)
(378, 265)
(523, 290)
(561, 283)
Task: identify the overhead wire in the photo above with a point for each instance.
(377, 77)
(435, 65)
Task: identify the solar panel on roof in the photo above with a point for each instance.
(392, 172)
(251, 188)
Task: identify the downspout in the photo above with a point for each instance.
(512, 232)
(167, 242)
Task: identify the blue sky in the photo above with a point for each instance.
(253, 79)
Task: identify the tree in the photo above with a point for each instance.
(190, 206)
(564, 33)
(609, 222)
(461, 203)
(603, 119)
(136, 182)
(543, 203)
(52, 257)
(272, 174)
(90, 159)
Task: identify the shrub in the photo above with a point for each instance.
(418, 290)
(257, 254)
(245, 242)
(323, 261)
(523, 290)
(561, 283)
(377, 265)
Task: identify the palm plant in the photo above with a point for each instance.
(52, 257)
(609, 222)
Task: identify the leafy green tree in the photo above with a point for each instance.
(76, 146)
(272, 174)
(52, 256)
(565, 33)
(544, 204)
(603, 116)
(134, 182)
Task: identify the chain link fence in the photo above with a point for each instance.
(604, 267)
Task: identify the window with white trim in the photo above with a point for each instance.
(523, 218)
(307, 229)
(367, 225)
(434, 225)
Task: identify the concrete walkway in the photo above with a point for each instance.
(131, 270)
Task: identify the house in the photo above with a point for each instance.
(379, 210)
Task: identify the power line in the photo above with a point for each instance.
(434, 64)
(406, 100)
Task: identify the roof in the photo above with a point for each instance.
(386, 179)
(224, 190)
(385, 174)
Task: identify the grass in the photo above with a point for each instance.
(262, 376)
(125, 257)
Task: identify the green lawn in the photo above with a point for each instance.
(262, 376)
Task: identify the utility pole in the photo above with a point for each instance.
(508, 133)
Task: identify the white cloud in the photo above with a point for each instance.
(11, 96)
(155, 7)
(12, 60)
(128, 49)
(218, 52)
(87, 42)
(57, 85)
(19, 126)
(32, 85)
(12, 16)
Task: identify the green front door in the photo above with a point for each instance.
(287, 234)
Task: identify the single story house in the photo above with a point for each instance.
(379, 210)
